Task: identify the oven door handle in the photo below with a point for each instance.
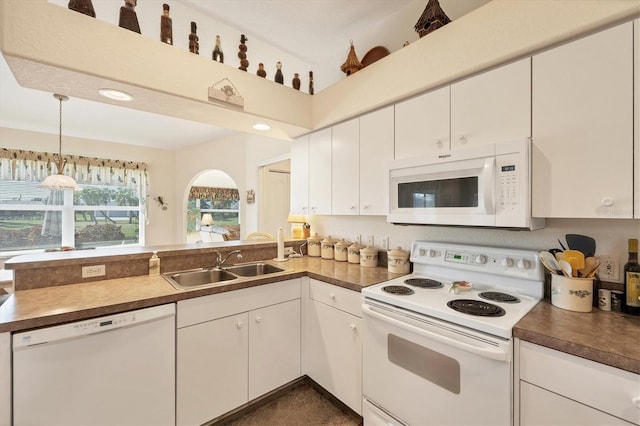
(490, 353)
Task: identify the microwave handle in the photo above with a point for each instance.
(488, 193)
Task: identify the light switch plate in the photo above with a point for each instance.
(93, 271)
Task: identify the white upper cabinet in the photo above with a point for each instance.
(299, 198)
(636, 85)
(492, 107)
(422, 124)
(376, 150)
(320, 172)
(583, 127)
(345, 160)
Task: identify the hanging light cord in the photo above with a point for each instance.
(60, 159)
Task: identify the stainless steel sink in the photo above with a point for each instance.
(185, 280)
(253, 269)
(204, 277)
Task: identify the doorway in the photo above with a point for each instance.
(275, 186)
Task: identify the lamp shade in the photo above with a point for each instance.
(296, 218)
(206, 219)
(59, 181)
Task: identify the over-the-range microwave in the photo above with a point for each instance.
(486, 185)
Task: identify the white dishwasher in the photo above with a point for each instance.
(112, 370)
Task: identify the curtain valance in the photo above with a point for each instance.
(209, 193)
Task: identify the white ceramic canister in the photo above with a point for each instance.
(572, 294)
(398, 261)
(340, 251)
(353, 253)
(313, 245)
(369, 257)
(327, 247)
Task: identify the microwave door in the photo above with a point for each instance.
(453, 193)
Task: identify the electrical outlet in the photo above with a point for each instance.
(382, 242)
(356, 238)
(93, 271)
(369, 241)
(609, 268)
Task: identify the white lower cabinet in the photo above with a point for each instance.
(334, 345)
(235, 346)
(5, 379)
(555, 388)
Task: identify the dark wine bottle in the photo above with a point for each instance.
(632, 280)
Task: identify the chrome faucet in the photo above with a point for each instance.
(220, 261)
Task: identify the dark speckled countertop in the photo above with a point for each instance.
(605, 337)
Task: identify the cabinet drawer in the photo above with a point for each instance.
(597, 385)
(207, 308)
(337, 297)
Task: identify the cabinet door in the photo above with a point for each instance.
(299, 197)
(492, 107)
(540, 407)
(376, 150)
(583, 127)
(320, 172)
(274, 347)
(345, 185)
(636, 97)
(212, 377)
(422, 124)
(335, 352)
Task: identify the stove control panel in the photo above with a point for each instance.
(491, 260)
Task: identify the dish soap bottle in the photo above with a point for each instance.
(632, 280)
(154, 264)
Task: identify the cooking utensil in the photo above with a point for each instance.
(549, 262)
(595, 270)
(583, 243)
(566, 268)
(575, 259)
(561, 245)
(591, 265)
(559, 255)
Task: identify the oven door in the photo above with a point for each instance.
(451, 189)
(427, 372)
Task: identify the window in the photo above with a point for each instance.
(108, 211)
(222, 203)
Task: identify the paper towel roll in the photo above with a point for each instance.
(280, 244)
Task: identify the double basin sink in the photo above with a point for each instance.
(207, 277)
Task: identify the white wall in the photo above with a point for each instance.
(238, 156)
(162, 223)
(611, 234)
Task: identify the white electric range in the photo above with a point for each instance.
(441, 338)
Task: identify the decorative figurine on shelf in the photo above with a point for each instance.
(194, 46)
(128, 17)
(242, 53)
(295, 83)
(261, 72)
(311, 82)
(352, 64)
(279, 78)
(166, 26)
(431, 19)
(217, 51)
(83, 6)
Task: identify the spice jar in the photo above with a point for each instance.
(340, 251)
(398, 261)
(314, 245)
(353, 253)
(327, 247)
(369, 257)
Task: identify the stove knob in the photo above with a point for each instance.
(507, 262)
(431, 253)
(481, 259)
(523, 264)
(421, 252)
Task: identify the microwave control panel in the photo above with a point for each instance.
(511, 174)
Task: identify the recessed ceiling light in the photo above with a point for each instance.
(116, 95)
(261, 126)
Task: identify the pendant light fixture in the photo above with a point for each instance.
(60, 180)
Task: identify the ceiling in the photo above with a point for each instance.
(315, 31)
